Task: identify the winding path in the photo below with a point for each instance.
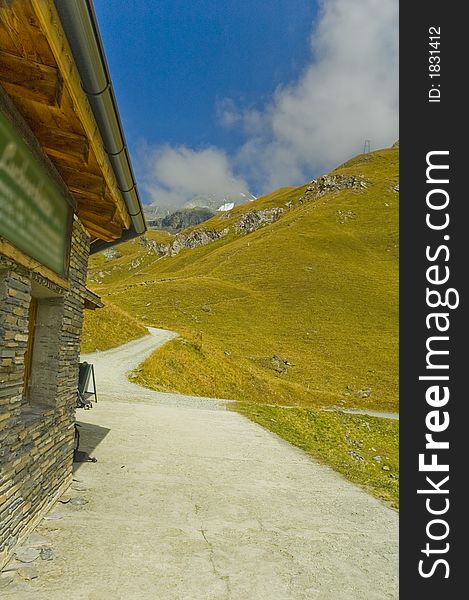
(113, 366)
(191, 501)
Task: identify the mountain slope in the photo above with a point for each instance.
(181, 219)
(109, 327)
(301, 311)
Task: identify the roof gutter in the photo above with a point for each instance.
(80, 25)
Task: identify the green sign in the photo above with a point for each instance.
(34, 215)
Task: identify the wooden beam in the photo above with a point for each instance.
(95, 208)
(82, 181)
(52, 28)
(29, 79)
(87, 199)
(7, 249)
(64, 145)
(92, 300)
(107, 232)
(100, 214)
(21, 34)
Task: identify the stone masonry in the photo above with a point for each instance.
(37, 434)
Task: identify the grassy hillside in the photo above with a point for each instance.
(132, 257)
(362, 448)
(298, 316)
(317, 289)
(109, 327)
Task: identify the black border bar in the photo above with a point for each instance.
(433, 363)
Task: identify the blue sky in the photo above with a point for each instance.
(218, 90)
(172, 60)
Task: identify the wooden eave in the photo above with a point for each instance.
(38, 72)
(92, 300)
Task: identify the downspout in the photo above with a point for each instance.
(80, 25)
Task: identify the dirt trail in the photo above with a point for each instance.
(113, 366)
(193, 502)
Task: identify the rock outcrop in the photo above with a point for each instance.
(181, 219)
(111, 253)
(332, 183)
(153, 246)
(250, 221)
(194, 239)
(247, 223)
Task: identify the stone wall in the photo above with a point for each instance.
(37, 434)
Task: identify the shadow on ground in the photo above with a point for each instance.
(90, 438)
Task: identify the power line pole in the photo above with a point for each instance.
(366, 147)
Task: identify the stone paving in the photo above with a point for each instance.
(199, 503)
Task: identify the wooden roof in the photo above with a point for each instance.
(92, 300)
(38, 72)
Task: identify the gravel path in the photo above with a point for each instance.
(113, 366)
(394, 416)
(191, 504)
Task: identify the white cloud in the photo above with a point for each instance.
(228, 113)
(348, 93)
(176, 174)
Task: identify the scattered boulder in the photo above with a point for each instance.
(111, 254)
(135, 263)
(280, 364)
(344, 215)
(349, 391)
(356, 457)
